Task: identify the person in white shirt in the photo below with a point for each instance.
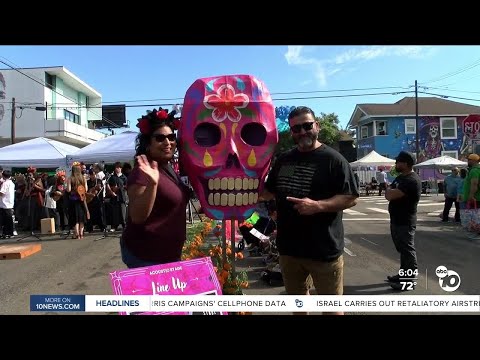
(7, 201)
(99, 174)
(50, 203)
(382, 181)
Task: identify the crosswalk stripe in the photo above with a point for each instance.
(366, 219)
(349, 252)
(432, 204)
(385, 201)
(438, 212)
(380, 219)
(353, 212)
(383, 211)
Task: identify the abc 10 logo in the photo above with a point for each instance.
(448, 280)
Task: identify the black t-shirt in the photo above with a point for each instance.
(318, 174)
(403, 211)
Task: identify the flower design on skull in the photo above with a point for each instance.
(225, 104)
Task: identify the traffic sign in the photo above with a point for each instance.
(471, 125)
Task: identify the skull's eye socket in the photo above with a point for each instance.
(254, 134)
(207, 135)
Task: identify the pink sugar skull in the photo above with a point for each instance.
(227, 137)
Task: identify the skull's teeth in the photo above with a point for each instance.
(233, 184)
(239, 199)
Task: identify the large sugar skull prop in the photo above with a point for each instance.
(227, 137)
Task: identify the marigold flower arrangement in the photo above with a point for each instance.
(196, 247)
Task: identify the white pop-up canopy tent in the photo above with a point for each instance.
(120, 147)
(373, 159)
(39, 153)
(441, 162)
(433, 165)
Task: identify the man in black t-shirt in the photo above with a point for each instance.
(312, 185)
(404, 195)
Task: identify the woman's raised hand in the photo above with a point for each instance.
(150, 169)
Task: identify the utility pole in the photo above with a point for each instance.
(416, 122)
(45, 122)
(13, 121)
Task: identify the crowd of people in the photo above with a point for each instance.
(461, 188)
(86, 198)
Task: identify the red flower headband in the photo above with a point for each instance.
(146, 122)
(32, 170)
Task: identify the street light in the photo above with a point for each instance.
(37, 108)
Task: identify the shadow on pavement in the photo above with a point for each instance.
(370, 289)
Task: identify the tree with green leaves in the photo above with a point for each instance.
(285, 142)
(329, 133)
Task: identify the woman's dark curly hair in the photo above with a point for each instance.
(149, 123)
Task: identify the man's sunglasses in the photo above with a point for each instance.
(161, 137)
(306, 126)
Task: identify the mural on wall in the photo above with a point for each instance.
(430, 143)
(364, 147)
(3, 96)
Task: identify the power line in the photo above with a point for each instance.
(275, 99)
(342, 96)
(456, 72)
(448, 96)
(273, 93)
(446, 89)
(44, 85)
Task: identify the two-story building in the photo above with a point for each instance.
(50, 102)
(391, 128)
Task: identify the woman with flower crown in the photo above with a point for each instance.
(156, 224)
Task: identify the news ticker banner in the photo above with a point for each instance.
(211, 305)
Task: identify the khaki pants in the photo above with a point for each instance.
(300, 274)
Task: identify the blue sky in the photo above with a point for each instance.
(128, 73)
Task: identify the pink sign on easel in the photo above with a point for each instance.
(191, 277)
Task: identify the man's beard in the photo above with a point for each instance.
(306, 142)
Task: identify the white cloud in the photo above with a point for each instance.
(294, 57)
(306, 82)
(323, 68)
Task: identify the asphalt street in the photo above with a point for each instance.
(370, 254)
(75, 266)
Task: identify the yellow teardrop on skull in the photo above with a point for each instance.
(224, 129)
(252, 160)
(207, 159)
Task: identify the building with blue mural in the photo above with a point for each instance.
(391, 128)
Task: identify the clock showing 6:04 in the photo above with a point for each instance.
(409, 273)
